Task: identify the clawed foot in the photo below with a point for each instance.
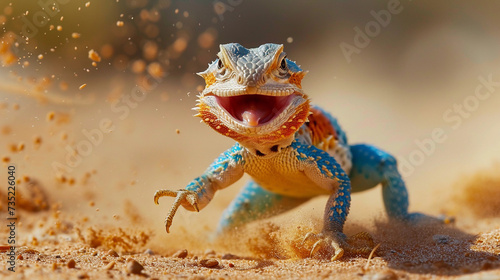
(422, 219)
(181, 197)
(340, 243)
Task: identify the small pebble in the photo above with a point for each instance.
(110, 265)
(441, 264)
(492, 258)
(465, 270)
(71, 263)
(209, 252)
(113, 253)
(384, 275)
(149, 252)
(486, 266)
(180, 254)
(209, 263)
(83, 275)
(134, 267)
(230, 257)
(441, 239)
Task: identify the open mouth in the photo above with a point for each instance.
(254, 109)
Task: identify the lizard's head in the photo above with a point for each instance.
(254, 96)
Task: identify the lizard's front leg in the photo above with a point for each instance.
(224, 171)
(324, 171)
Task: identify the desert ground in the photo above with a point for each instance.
(96, 116)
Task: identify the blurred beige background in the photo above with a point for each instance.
(414, 73)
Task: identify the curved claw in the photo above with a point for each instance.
(160, 193)
(325, 240)
(339, 243)
(338, 251)
(316, 247)
(308, 236)
(180, 196)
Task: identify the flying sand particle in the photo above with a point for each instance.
(50, 116)
(94, 56)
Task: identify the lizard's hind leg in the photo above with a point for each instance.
(253, 203)
(372, 166)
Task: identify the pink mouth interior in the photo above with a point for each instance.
(253, 109)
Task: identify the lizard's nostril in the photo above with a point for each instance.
(259, 153)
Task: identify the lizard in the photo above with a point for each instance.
(292, 150)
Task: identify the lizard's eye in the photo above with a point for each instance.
(220, 64)
(283, 64)
(283, 67)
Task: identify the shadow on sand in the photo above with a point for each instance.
(433, 249)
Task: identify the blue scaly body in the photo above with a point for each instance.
(292, 150)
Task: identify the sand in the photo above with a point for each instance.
(72, 101)
(54, 244)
